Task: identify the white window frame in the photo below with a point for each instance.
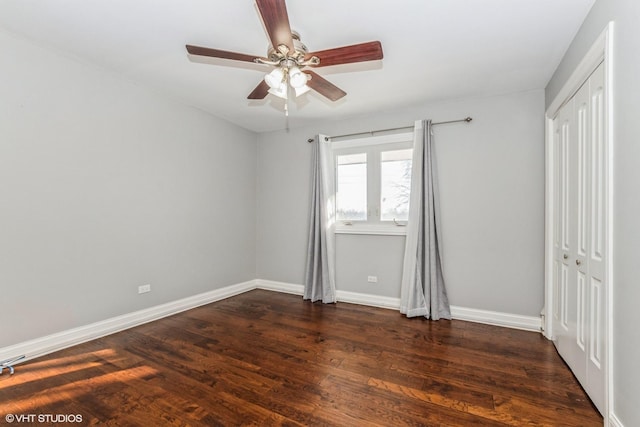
(372, 146)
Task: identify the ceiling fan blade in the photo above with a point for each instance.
(324, 87)
(260, 91)
(369, 51)
(216, 53)
(276, 20)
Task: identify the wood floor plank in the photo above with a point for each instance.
(265, 358)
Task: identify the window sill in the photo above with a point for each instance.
(381, 230)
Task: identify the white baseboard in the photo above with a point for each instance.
(58, 341)
(515, 321)
(342, 296)
(287, 288)
(368, 299)
(508, 320)
(614, 421)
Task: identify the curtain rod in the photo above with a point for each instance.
(371, 132)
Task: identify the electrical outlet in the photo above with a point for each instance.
(144, 289)
(372, 279)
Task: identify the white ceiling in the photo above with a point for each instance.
(433, 49)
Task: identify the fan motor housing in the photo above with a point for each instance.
(298, 55)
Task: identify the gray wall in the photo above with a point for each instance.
(626, 171)
(105, 187)
(492, 194)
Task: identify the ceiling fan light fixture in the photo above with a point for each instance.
(287, 54)
(297, 78)
(280, 92)
(301, 90)
(275, 78)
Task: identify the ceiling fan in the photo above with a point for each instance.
(291, 59)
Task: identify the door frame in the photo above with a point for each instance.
(600, 51)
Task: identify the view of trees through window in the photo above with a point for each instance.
(395, 184)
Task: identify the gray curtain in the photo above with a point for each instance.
(423, 291)
(319, 283)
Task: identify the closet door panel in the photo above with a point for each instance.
(567, 328)
(597, 255)
(580, 239)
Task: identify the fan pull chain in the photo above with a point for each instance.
(286, 113)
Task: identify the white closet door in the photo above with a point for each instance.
(596, 254)
(568, 310)
(579, 235)
(561, 129)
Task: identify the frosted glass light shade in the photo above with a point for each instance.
(302, 90)
(275, 78)
(280, 92)
(297, 78)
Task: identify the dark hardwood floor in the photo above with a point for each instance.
(265, 358)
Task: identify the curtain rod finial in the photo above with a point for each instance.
(310, 140)
(468, 119)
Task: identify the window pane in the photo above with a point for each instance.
(395, 184)
(351, 184)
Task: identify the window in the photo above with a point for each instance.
(351, 187)
(373, 184)
(395, 184)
